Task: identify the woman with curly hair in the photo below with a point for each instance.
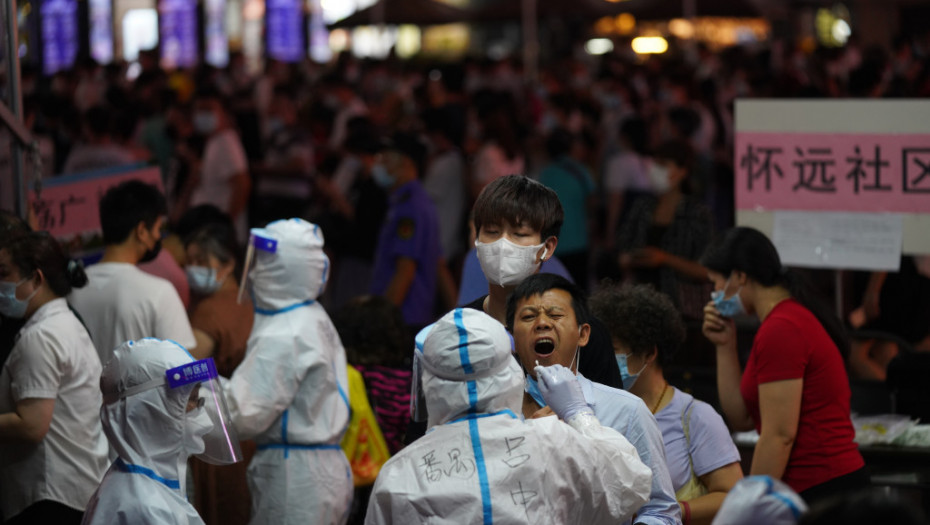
(646, 330)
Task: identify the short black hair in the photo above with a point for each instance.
(409, 145)
(199, 216)
(516, 198)
(124, 206)
(541, 283)
(559, 142)
(219, 240)
(373, 332)
(640, 317)
(677, 151)
(99, 121)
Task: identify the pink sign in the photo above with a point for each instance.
(833, 172)
(68, 206)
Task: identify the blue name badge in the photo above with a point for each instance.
(262, 241)
(196, 372)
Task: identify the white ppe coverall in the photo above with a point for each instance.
(290, 392)
(148, 430)
(481, 462)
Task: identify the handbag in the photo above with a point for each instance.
(363, 442)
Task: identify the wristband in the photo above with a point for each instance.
(686, 512)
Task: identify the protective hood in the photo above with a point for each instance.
(760, 500)
(468, 367)
(295, 272)
(144, 424)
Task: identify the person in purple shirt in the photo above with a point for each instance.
(408, 257)
(646, 330)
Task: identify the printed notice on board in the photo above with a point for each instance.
(853, 241)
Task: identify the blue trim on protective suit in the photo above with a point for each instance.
(263, 311)
(147, 472)
(325, 276)
(345, 398)
(473, 422)
(770, 490)
(469, 417)
(289, 446)
(284, 431)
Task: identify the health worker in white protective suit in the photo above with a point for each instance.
(290, 392)
(481, 462)
(160, 406)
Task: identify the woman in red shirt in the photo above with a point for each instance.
(794, 390)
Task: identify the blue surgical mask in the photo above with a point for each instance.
(202, 279)
(381, 176)
(728, 306)
(532, 388)
(628, 379)
(10, 306)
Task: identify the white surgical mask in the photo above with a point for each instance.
(197, 424)
(507, 264)
(10, 306)
(659, 177)
(202, 279)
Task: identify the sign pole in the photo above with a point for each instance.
(15, 102)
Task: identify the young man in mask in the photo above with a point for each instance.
(120, 301)
(549, 319)
(517, 221)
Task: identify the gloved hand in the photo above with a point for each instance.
(562, 392)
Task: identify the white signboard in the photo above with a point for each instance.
(852, 241)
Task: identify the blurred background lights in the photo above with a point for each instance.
(598, 46)
(649, 45)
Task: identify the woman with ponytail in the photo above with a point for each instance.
(53, 453)
(794, 390)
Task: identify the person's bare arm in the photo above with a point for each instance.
(405, 271)
(722, 332)
(205, 345)
(29, 422)
(780, 410)
(718, 483)
(614, 207)
(239, 197)
(448, 290)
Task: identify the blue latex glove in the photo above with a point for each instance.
(562, 391)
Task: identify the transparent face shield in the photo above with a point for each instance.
(208, 432)
(259, 239)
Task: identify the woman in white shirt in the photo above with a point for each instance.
(53, 453)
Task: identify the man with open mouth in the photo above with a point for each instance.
(548, 318)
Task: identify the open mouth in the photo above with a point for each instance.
(544, 347)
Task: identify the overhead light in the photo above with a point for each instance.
(841, 31)
(625, 23)
(598, 46)
(649, 45)
(681, 28)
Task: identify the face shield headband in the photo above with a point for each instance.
(220, 442)
(259, 239)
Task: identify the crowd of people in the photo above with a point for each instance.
(438, 228)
